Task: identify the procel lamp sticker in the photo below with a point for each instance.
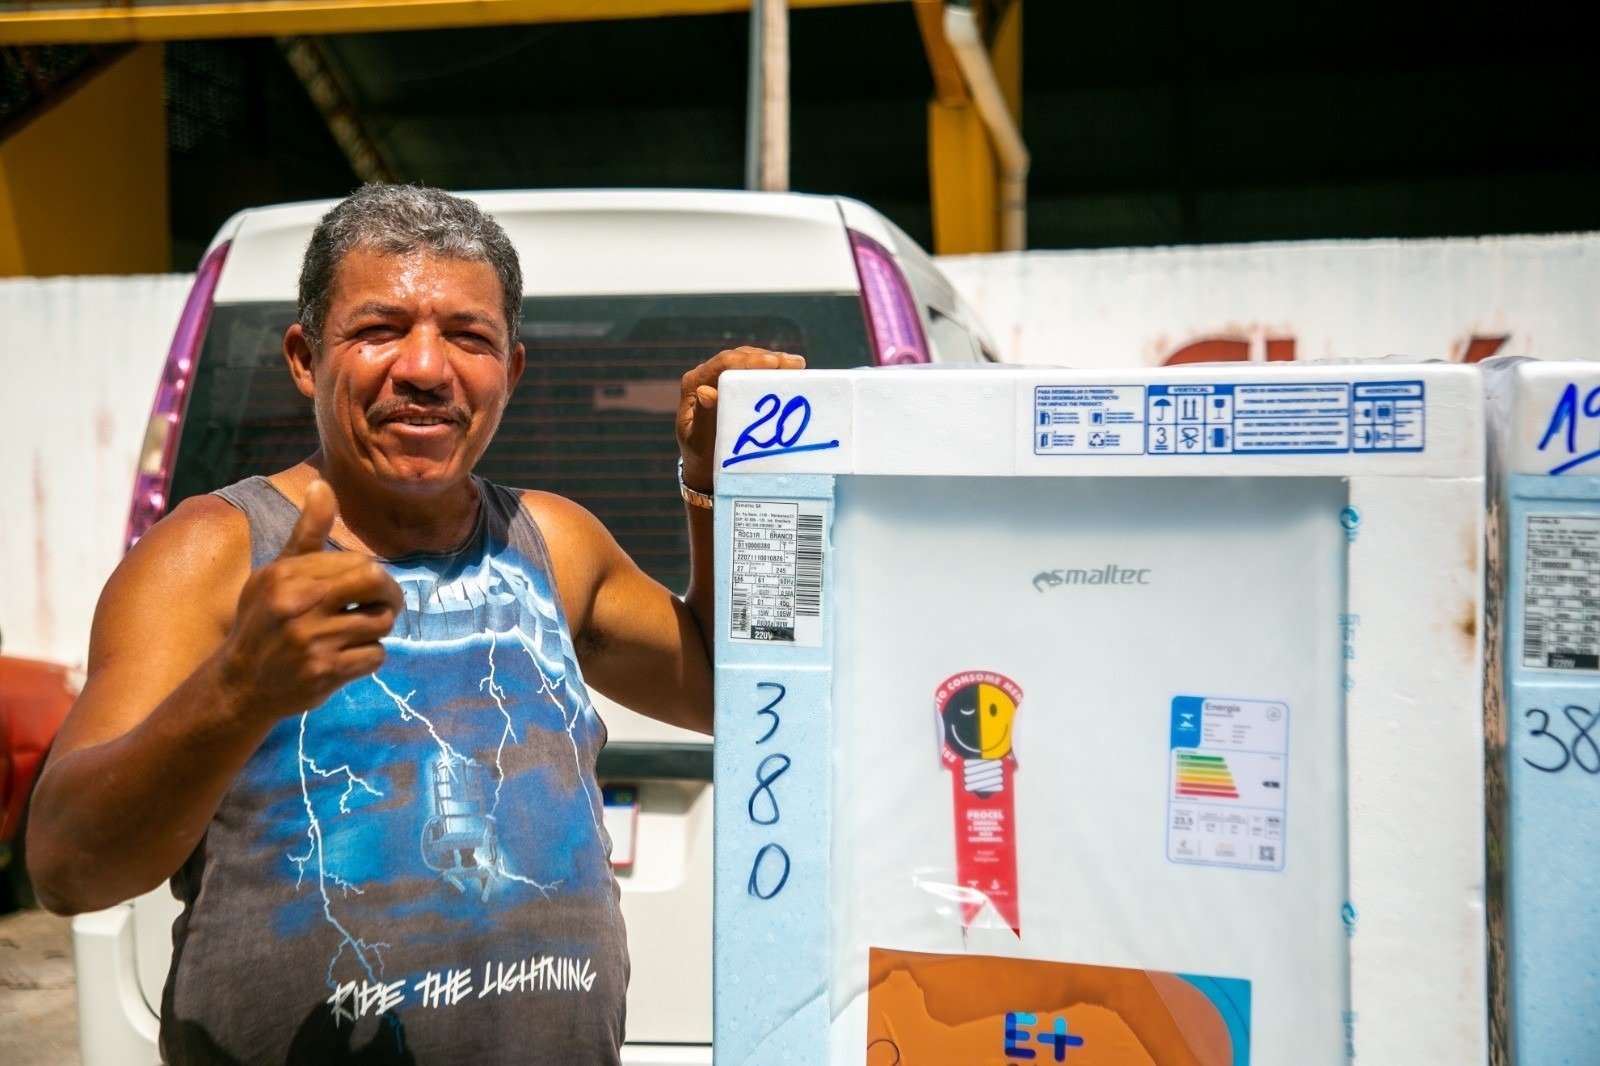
(977, 1010)
(977, 713)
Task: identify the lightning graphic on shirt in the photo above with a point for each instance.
(485, 856)
(407, 713)
(362, 948)
(569, 717)
(460, 840)
(352, 781)
(498, 694)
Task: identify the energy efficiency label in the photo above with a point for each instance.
(1228, 766)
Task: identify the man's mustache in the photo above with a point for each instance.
(384, 410)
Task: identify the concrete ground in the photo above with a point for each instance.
(38, 998)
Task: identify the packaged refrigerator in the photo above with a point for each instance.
(1544, 703)
(1100, 717)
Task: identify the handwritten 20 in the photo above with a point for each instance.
(777, 429)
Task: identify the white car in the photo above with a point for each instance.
(624, 291)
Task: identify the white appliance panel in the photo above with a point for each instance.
(1220, 588)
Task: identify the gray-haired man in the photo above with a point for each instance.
(344, 707)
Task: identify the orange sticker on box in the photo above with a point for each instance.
(976, 1010)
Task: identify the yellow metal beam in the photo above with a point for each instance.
(962, 180)
(1005, 54)
(963, 173)
(948, 88)
(83, 186)
(116, 20)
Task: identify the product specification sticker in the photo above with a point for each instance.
(1228, 774)
(775, 591)
(1561, 593)
(1205, 418)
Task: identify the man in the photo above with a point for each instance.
(344, 707)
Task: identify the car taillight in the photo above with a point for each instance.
(154, 479)
(892, 320)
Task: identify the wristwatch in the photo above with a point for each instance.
(693, 497)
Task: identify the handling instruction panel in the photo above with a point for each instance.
(1229, 419)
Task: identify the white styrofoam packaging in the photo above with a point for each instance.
(1544, 701)
(1100, 716)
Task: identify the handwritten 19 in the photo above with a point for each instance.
(1565, 418)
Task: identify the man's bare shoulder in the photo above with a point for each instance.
(581, 551)
(559, 514)
(204, 535)
(195, 559)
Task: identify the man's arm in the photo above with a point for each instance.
(192, 660)
(637, 643)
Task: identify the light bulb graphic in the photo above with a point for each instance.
(977, 712)
(977, 728)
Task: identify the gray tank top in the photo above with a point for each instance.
(416, 871)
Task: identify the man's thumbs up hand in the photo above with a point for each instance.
(310, 533)
(311, 620)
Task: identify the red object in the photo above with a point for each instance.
(34, 698)
(982, 788)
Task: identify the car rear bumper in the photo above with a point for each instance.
(115, 1025)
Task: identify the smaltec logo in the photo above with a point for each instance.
(1110, 574)
(1025, 1029)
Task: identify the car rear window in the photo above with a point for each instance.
(591, 418)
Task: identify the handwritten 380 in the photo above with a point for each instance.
(772, 856)
(776, 430)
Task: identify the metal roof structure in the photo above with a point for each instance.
(1149, 122)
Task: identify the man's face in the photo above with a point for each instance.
(415, 368)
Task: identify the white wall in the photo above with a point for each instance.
(80, 358)
(1331, 299)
